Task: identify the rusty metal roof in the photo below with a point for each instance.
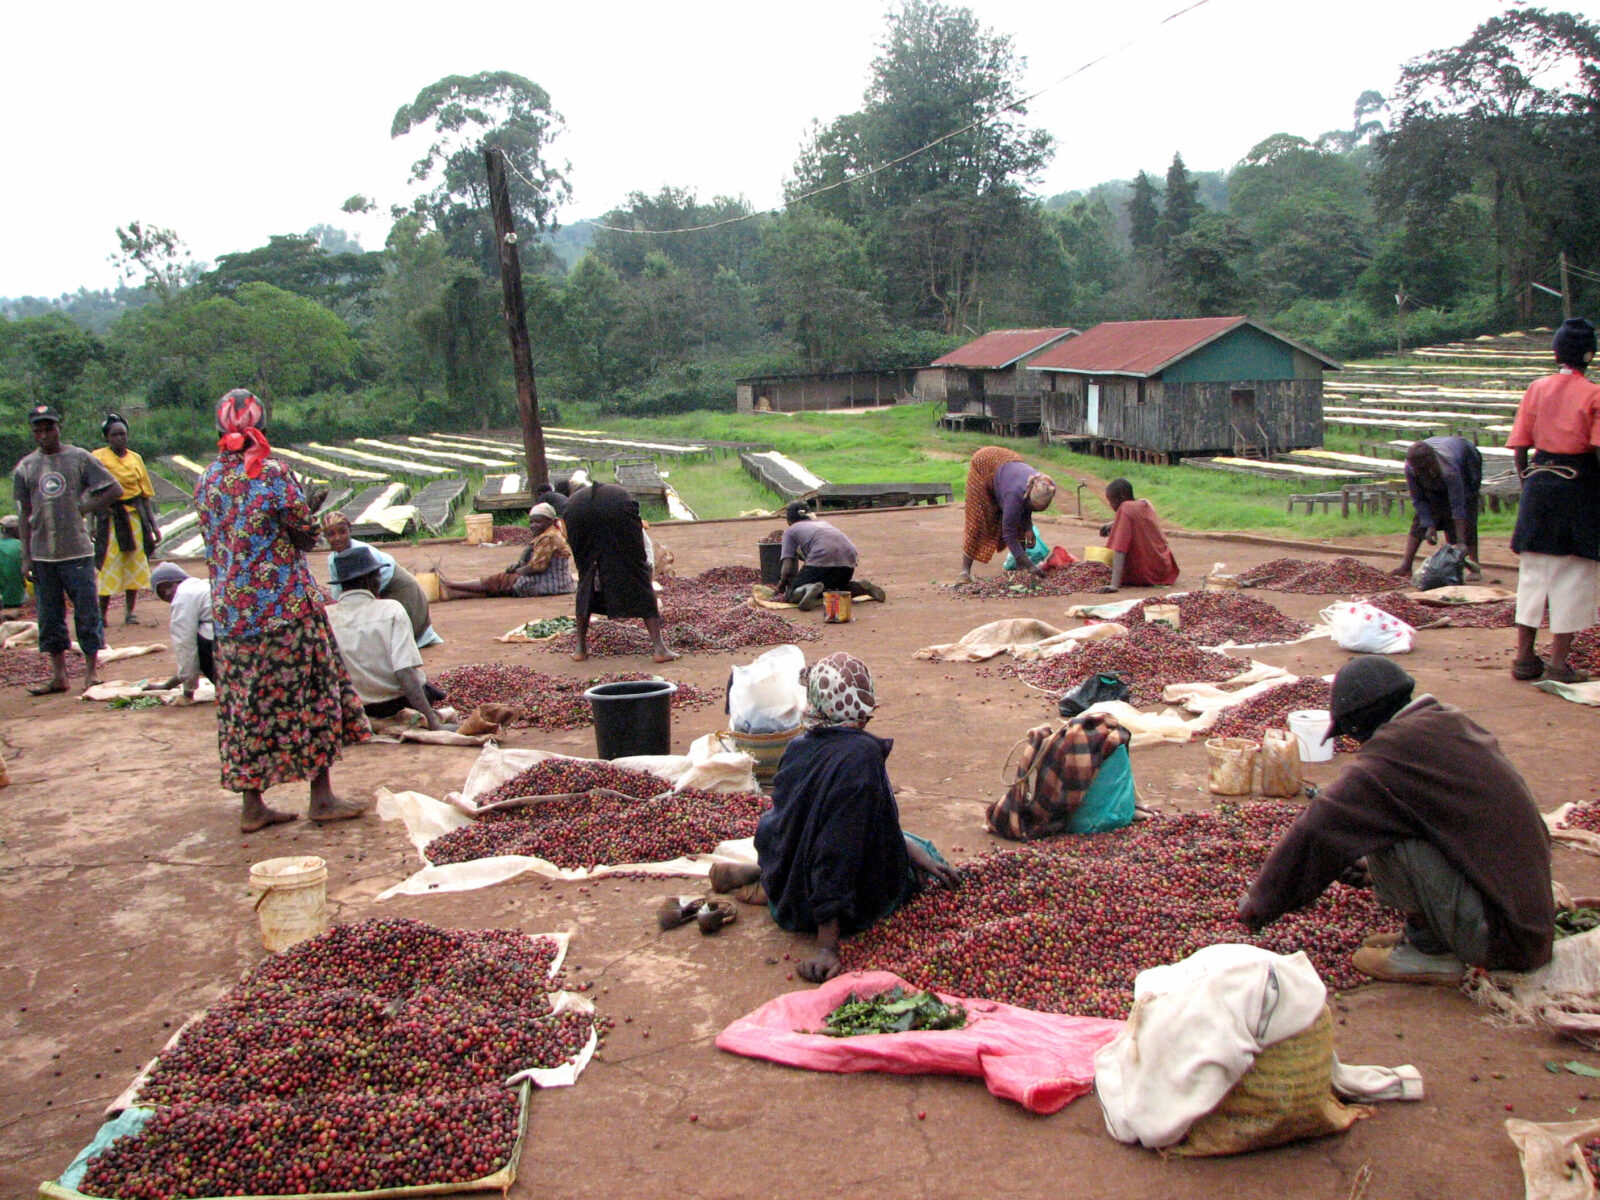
(1001, 348)
(1145, 348)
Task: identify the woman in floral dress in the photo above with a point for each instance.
(285, 704)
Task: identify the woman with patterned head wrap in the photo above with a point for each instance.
(833, 859)
(1003, 493)
(285, 704)
(130, 523)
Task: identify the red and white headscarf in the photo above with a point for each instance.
(239, 417)
(838, 690)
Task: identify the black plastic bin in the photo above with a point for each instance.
(633, 717)
(771, 562)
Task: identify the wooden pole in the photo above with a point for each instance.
(505, 240)
(1566, 290)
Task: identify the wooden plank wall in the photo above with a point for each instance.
(1187, 418)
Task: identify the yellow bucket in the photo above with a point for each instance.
(428, 581)
(1099, 554)
(291, 899)
(480, 528)
(835, 607)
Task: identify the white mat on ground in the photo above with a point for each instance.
(113, 689)
(426, 818)
(1578, 693)
(1020, 637)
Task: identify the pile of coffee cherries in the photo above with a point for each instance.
(1337, 576)
(1148, 657)
(546, 701)
(1216, 618)
(1063, 581)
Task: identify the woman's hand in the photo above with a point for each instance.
(929, 868)
(820, 968)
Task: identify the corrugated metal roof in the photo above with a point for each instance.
(1001, 347)
(1144, 348)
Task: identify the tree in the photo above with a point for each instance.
(156, 257)
(296, 263)
(1144, 216)
(1203, 264)
(464, 330)
(1513, 112)
(592, 307)
(468, 114)
(1182, 203)
(821, 286)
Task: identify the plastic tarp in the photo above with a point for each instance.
(426, 818)
(112, 689)
(1043, 1061)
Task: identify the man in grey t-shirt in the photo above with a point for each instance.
(829, 558)
(56, 487)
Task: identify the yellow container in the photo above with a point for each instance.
(291, 899)
(1280, 763)
(835, 607)
(1233, 762)
(480, 528)
(766, 748)
(428, 581)
(1099, 554)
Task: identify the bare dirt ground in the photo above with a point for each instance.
(125, 909)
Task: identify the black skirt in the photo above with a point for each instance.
(607, 540)
(1556, 515)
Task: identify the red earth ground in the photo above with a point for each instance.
(125, 909)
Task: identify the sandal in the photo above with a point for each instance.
(676, 911)
(715, 914)
(1566, 674)
(1527, 669)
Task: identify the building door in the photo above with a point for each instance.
(1247, 435)
(1091, 422)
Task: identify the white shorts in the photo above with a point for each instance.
(1569, 585)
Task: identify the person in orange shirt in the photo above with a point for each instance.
(1557, 538)
(1140, 555)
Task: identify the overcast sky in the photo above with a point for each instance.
(228, 123)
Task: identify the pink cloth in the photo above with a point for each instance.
(1043, 1061)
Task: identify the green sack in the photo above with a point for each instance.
(1108, 804)
(1037, 553)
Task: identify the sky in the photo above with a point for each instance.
(229, 123)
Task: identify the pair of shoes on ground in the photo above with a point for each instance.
(1390, 958)
(1528, 670)
(710, 915)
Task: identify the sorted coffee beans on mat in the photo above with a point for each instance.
(1585, 652)
(1148, 658)
(546, 701)
(568, 776)
(1498, 614)
(1063, 581)
(1334, 576)
(24, 667)
(1215, 618)
(372, 1056)
(1065, 925)
(513, 535)
(1270, 710)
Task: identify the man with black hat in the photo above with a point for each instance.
(1433, 815)
(56, 487)
(375, 641)
(829, 558)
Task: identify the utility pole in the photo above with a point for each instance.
(1566, 289)
(505, 240)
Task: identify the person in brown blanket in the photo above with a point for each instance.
(1433, 815)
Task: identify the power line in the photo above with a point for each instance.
(1015, 105)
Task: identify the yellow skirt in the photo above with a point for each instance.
(126, 571)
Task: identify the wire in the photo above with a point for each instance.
(1014, 106)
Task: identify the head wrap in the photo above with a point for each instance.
(547, 511)
(838, 690)
(239, 417)
(1573, 340)
(11, 522)
(112, 418)
(336, 517)
(167, 572)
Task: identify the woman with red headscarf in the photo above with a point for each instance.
(285, 704)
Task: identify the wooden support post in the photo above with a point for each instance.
(1566, 289)
(505, 239)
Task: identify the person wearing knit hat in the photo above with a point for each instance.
(545, 568)
(1432, 816)
(817, 557)
(190, 626)
(1557, 536)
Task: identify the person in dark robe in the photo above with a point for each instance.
(832, 857)
(1435, 819)
(607, 540)
(1444, 475)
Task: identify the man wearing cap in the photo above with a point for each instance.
(1433, 815)
(12, 589)
(56, 487)
(193, 635)
(829, 558)
(545, 568)
(375, 641)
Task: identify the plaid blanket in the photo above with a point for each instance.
(1055, 770)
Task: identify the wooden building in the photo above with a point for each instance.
(985, 382)
(1160, 390)
(821, 391)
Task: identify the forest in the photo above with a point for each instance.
(1448, 207)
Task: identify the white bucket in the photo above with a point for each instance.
(291, 899)
(1308, 726)
(480, 528)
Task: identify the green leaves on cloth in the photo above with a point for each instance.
(893, 1011)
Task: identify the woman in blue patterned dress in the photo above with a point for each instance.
(285, 704)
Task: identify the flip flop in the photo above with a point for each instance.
(675, 911)
(45, 689)
(714, 914)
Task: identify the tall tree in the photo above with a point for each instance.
(1181, 203)
(153, 256)
(1144, 215)
(822, 288)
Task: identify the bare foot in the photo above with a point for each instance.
(48, 689)
(665, 656)
(130, 619)
(88, 682)
(583, 656)
(263, 817)
(335, 810)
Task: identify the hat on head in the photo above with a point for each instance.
(1362, 682)
(797, 510)
(547, 511)
(1573, 340)
(353, 563)
(43, 412)
(167, 572)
